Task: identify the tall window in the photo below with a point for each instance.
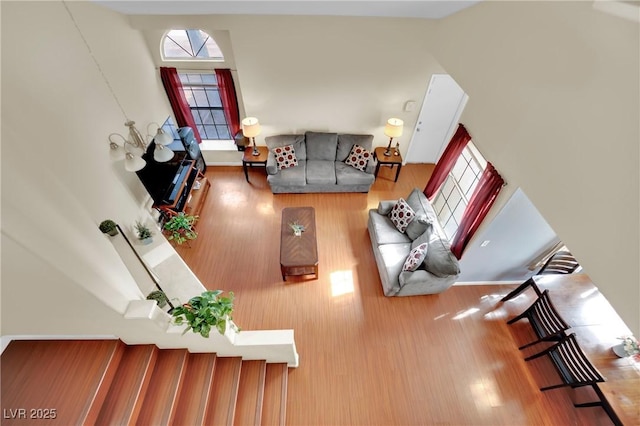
(201, 91)
(453, 196)
(190, 45)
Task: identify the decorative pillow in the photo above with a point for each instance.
(358, 158)
(415, 258)
(401, 215)
(285, 156)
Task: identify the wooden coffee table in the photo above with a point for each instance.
(298, 255)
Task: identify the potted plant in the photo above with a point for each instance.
(204, 312)
(159, 296)
(144, 233)
(296, 228)
(180, 228)
(108, 227)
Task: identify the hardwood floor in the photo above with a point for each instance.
(366, 359)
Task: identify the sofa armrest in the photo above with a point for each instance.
(272, 166)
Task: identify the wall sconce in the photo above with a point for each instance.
(135, 146)
(251, 129)
(393, 129)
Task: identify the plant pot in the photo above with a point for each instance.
(146, 241)
(112, 233)
(619, 350)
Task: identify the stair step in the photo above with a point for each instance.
(103, 388)
(222, 403)
(124, 399)
(61, 374)
(160, 399)
(196, 390)
(250, 393)
(274, 411)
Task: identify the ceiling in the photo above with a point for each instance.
(432, 9)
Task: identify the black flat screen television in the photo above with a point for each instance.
(157, 177)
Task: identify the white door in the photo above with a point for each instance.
(441, 110)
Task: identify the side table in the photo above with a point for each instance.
(392, 160)
(254, 160)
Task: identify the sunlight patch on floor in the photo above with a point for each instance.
(485, 393)
(466, 313)
(265, 209)
(341, 283)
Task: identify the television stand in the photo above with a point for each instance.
(187, 193)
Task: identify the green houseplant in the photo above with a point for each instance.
(204, 312)
(108, 227)
(159, 296)
(144, 233)
(180, 228)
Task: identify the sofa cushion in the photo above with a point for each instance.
(401, 215)
(358, 158)
(347, 141)
(439, 260)
(285, 157)
(385, 232)
(415, 258)
(282, 140)
(321, 172)
(294, 176)
(347, 175)
(321, 146)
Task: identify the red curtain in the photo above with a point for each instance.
(447, 161)
(178, 101)
(481, 201)
(229, 100)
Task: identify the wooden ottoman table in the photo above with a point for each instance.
(298, 255)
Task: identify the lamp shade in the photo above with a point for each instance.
(162, 138)
(250, 127)
(133, 163)
(393, 128)
(162, 154)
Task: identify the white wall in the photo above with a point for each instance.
(554, 103)
(58, 181)
(339, 74)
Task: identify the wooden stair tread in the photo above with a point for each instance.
(275, 395)
(54, 374)
(250, 393)
(221, 408)
(192, 401)
(159, 401)
(124, 399)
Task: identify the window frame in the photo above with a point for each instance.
(166, 37)
(453, 190)
(188, 90)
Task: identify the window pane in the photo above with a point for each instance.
(447, 187)
(218, 116)
(206, 117)
(467, 180)
(438, 203)
(450, 229)
(454, 199)
(196, 117)
(200, 98)
(214, 97)
(223, 132)
(202, 132)
(209, 79)
(458, 212)
(459, 168)
(195, 78)
(190, 44)
(211, 132)
(188, 94)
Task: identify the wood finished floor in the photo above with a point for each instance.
(366, 359)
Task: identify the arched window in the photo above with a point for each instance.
(190, 45)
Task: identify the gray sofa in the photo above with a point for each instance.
(321, 163)
(439, 269)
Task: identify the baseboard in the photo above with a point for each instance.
(487, 282)
(5, 340)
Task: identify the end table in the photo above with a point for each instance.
(254, 160)
(392, 160)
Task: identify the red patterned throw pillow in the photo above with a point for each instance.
(401, 215)
(415, 258)
(358, 157)
(285, 156)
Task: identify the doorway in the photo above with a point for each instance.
(441, 110)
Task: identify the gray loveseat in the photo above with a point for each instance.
(435, 273)
(321, 165)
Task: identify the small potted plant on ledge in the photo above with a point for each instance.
(108, 227)
(160, 297)
(180, 228)
(204, 312)
(144, 233)
(296, 228)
